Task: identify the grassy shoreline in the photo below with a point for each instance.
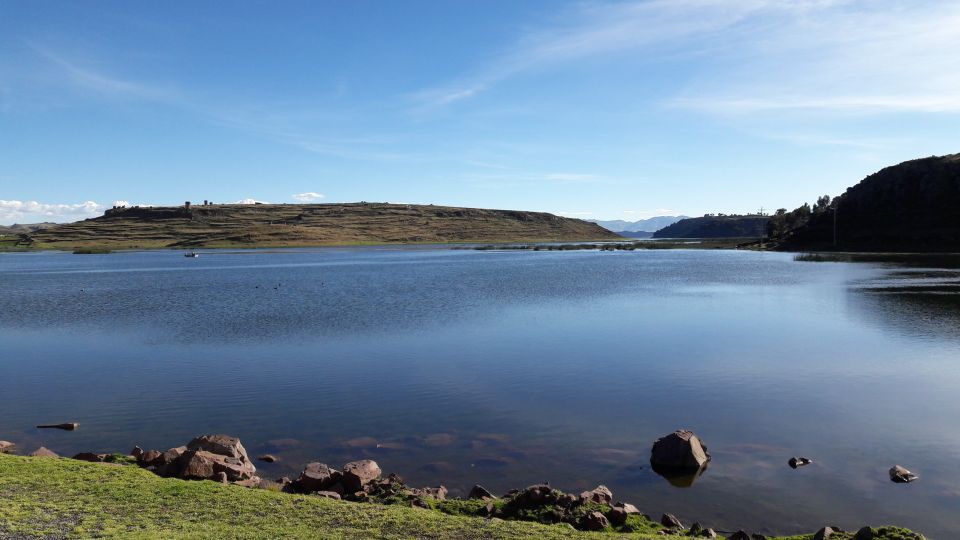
(64, 498)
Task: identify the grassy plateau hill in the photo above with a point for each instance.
(292, 225)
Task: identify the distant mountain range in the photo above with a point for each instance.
(21, 228)
(650, 225)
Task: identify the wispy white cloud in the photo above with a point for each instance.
(18, 211)
(309, 196)
(837, 56)
(249, 201)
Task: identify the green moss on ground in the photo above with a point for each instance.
(63, 498)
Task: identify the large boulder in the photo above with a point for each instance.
(594, 521)
(203, 465)
(358, 474)
(7, 447)
(480, 492)
(317, 477)
(680, 450)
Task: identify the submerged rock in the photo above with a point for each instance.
(267, 458)
(901, 475)
(796, 462)
(69, 426)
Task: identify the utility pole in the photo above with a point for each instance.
(836, 238)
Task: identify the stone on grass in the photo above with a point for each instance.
(43, 452)
(600, 494)
(316, 477)
(480, 492)
(7, 447)
(824, 533)
(671, 521)
(594, 521)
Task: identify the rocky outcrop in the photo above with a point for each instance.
(220, 458)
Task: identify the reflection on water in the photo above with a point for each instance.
(509, 369)
(681, 478)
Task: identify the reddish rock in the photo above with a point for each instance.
(358, 474)
(594, 521)
(671, 521)
(599, 494)
(316, 477)
(43, 452)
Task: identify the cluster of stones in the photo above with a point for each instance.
(209, 457)
(222, 458)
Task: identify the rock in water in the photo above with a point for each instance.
(799, 462)
(267, 458)
(357, 474)
(680, 450)
(70, 426)
(901, 475)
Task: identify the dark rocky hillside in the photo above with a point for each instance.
(716, 227)
(913, 206)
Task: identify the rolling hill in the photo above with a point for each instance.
(291, 225)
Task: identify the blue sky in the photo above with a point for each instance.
(605, 110)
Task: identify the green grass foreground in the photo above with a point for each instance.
(63, 498)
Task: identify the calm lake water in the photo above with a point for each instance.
(510, 368)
